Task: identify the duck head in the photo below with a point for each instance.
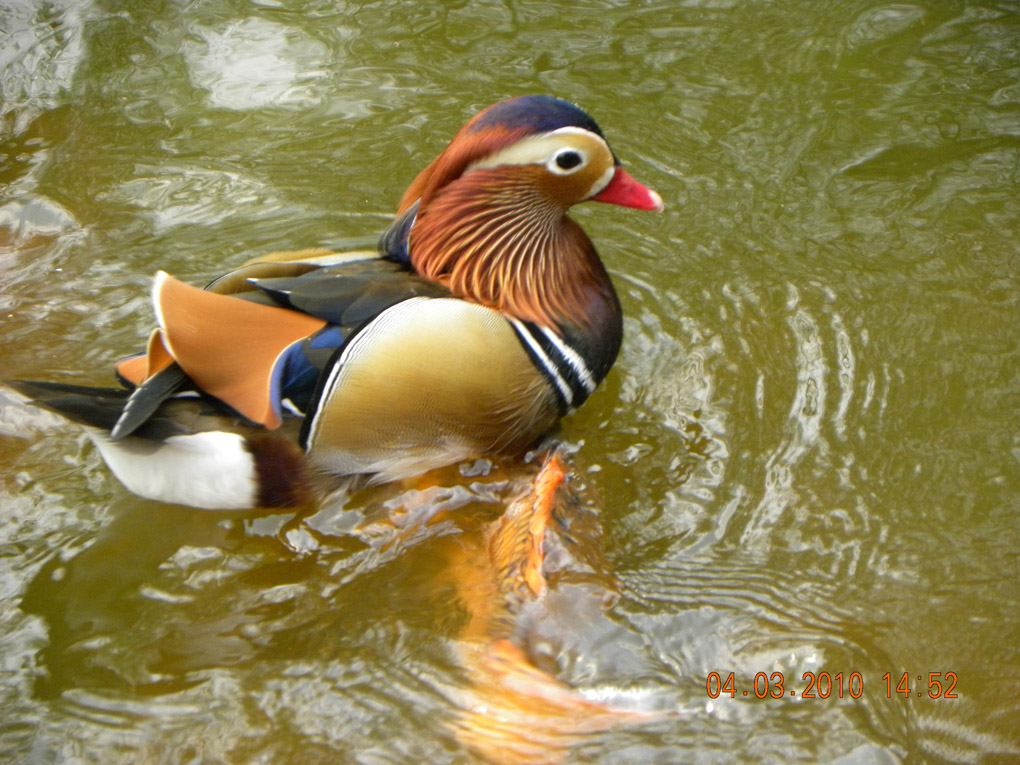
(488, 217)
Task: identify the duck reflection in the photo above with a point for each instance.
(515, 709)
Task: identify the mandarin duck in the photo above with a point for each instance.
(485, 316)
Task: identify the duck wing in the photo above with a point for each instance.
(259, 338)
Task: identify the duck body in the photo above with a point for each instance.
(484, 318)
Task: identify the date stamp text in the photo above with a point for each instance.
(824, 685)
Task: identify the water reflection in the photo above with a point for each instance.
(255, 63)
(140, 631)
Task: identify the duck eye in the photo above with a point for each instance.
(565, 161)
(568, 159)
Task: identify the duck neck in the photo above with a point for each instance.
(495, 239)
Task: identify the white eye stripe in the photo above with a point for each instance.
(543, 149)
(573, 130)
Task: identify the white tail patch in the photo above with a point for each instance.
(211, 471)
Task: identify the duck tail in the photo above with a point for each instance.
(92, 407)
(187, 453)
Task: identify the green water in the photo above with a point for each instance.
(805, 460)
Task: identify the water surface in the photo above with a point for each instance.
(805, 461)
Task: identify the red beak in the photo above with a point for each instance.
(624, 190)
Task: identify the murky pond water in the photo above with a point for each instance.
(807, 459)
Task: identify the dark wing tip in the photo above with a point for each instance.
(146, 399)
